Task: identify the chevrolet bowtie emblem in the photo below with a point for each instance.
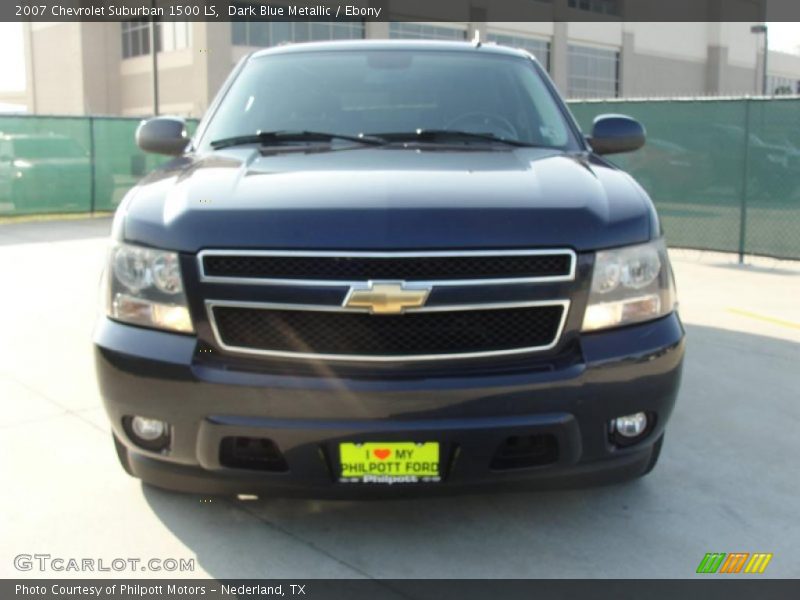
(386, 297)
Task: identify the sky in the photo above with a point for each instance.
(784, 37)
(12, 66)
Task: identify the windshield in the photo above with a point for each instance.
(370, 92)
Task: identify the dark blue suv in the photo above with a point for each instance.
(387, 268)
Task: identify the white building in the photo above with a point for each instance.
(106, 68)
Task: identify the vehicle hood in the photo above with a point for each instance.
(386, 198)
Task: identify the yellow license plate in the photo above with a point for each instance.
(389, 462)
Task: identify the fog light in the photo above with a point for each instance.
(631, 426)
(150, 434)
(148, 429)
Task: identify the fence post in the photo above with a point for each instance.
(92, 170)
(745, 180)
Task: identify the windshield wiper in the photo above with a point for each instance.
(276, 137)
(443, 135)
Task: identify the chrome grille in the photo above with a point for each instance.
(331, 329)
(281, 330)
(338, 268)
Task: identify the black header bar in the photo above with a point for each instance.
(402, 10)
(708, 587)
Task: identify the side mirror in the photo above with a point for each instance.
(162, 135)
(612, 134)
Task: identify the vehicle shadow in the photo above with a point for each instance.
(739, 390)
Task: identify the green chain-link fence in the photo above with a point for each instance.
(724, 174)
(69, 164)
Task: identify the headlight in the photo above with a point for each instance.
(630, 285)
(145, 288)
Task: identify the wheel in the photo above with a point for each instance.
(654, 454)
(122, 455)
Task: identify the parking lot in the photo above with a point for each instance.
(727, 480)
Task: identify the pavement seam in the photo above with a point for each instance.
(294, 536)
(46, 398)
(239, 506)
(42, 419)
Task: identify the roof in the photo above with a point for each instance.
(351, 45)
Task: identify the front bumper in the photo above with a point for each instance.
(469, 412)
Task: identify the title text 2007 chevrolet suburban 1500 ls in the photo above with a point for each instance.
(387, 267)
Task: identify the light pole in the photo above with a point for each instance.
(154, 50)
(758, 29)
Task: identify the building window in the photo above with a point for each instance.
(779, 86)
(604, 7)
(173, 35)
(135, 38)
(418, 31)
(593, 72)
(539, 48)
(272, 33)
(169, 36)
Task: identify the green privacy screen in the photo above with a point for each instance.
(45, 165)
(724, 174)
(69, 164)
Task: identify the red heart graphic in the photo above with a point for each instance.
(382, 453)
